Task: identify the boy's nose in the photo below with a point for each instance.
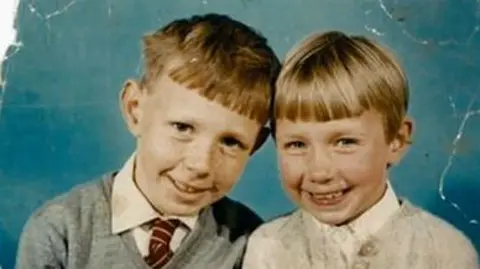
(199, 161)
(320, 176)
(321, 168)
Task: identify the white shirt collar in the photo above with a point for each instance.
(130, 209)
(374, 218)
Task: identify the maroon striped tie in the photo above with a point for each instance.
(159, 246)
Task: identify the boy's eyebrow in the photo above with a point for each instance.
(295, 135)
(232, 131)
(335, 131)
(347, 130)
(238, 134)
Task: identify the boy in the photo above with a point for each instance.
(197, 115)
(339, 123)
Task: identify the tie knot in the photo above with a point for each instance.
(168, 225)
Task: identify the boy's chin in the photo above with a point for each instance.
(337, 217)
(331, 218)
(181, 210)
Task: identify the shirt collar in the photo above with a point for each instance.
(130, 209)
(374, 218)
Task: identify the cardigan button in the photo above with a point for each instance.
(361, 265)
(368, 249)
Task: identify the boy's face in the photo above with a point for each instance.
(190, 151)
(336, 170)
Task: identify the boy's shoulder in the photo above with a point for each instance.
(53, 229)
(280, 227)
(81, 199)
(431, 224)
(436, 233)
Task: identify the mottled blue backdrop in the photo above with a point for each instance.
(60, 124)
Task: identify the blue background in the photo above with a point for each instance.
(60, 124)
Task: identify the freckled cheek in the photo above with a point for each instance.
(227, 170)
(162, 153)
(346, 164)
(291, 170)
(356, 168)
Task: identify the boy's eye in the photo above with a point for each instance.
(294, 145)
(232, 142)
(182, 127)
(345, 142)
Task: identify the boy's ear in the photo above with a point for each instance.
(401, 143)
(130, 105)
(261, 138)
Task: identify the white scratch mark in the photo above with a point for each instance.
(421, 41)
(385, 10)
(33, 9)
(60, 11)
(441, 188)
(374, 31)
(476, 29)
(8, 38)
(467, 42)
(453, 106)
(468, 115)
(415, 39)
(404, 31)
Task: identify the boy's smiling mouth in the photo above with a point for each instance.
(329, 198)
(186, 188)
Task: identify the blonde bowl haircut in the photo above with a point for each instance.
(331, 76)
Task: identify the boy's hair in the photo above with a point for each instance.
(332, 76)
(223, 59)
